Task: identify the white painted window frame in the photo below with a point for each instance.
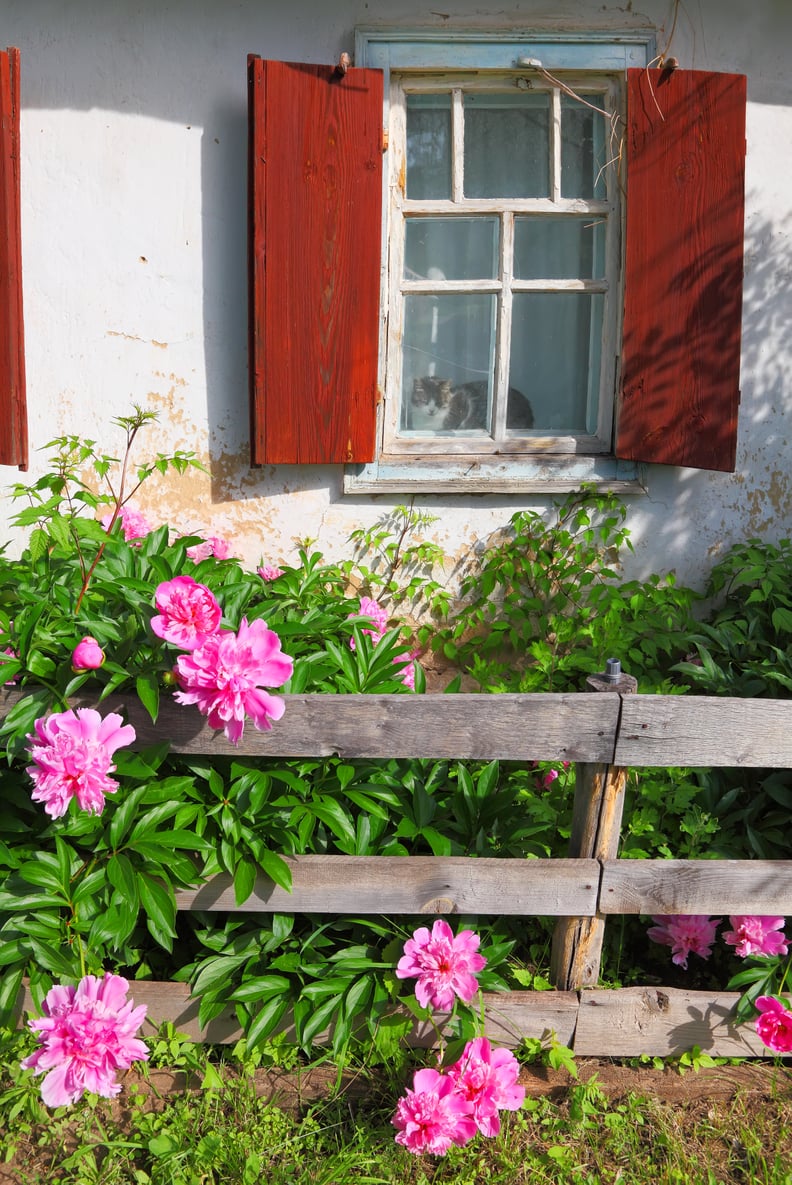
(532, 463)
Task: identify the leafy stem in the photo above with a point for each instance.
(132, 424)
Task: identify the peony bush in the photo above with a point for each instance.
(98, 831)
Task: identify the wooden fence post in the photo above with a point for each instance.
(596, 827)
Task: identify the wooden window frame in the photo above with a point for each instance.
(443, 450)
(548, 465)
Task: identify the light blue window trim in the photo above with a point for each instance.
(494, 476)
(448, 50)
(430, 49)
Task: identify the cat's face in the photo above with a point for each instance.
(430, 396)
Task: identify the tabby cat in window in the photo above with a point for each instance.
(440, 405)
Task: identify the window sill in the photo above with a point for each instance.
(550, 475)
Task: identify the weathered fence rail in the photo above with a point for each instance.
(602, 734)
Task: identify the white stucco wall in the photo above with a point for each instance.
(134, 243)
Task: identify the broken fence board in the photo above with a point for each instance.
(672, 730)
(697, 887)
(662, 1022)
(413, 885)
(535, 727)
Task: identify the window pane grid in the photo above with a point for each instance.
(431, 348)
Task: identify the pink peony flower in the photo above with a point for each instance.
(407, 673)
(189, 612)
(774, 1024)
(224, 677)
(684, 933)
(87, 655)
(549, 778)
(487, 1078)
(9, 653)
(72, 752)
(444, 965)
(269, 572)
(134, 524)
(756, 935)
(379, 616)
(87, 1035)
(213, 546)
(433, 1115)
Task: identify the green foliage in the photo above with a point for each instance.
(544, 605)
(396, 568)
(86, 893)
(745, 646)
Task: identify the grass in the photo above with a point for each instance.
(225, 1133)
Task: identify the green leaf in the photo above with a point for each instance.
(122, 877)
(123, 816)
(160, 909)
(333, 815)
(276, 868)
(10, 988)
(53, 960)
(147, 687)
(217, 971)
(261, 988)
(244, 880)
(265, 1021)
(11, 952)
(319, 1019)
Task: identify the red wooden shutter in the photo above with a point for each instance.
(684, 267)
(13, 409)
(315, 182)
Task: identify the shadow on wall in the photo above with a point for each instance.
(713, 511)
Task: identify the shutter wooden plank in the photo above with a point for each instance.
(672, 730)
(685, 149)
(13, 409)
(697, 887)
(414, 884)
(662, 1022)
(541, 727)
(315, 199)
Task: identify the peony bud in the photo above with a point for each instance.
(88, 655)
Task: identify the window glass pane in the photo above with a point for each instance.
(451, 249)
(555, 357)
(507, 146)
(582, 148)
(428, 146)
(559, 248)
(449, 352)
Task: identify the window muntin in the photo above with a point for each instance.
(504, 246)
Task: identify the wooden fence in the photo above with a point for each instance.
(603, 735)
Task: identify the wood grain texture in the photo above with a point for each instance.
(697, 887)
(478, 727)
(662, 1022)
(670, 730)
(414, 884)
(13, 405)
(685, 150)
(315, 230)
(627, 1022)
(509, 1016)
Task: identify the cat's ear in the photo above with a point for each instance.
(418, 387)
(444, 386)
